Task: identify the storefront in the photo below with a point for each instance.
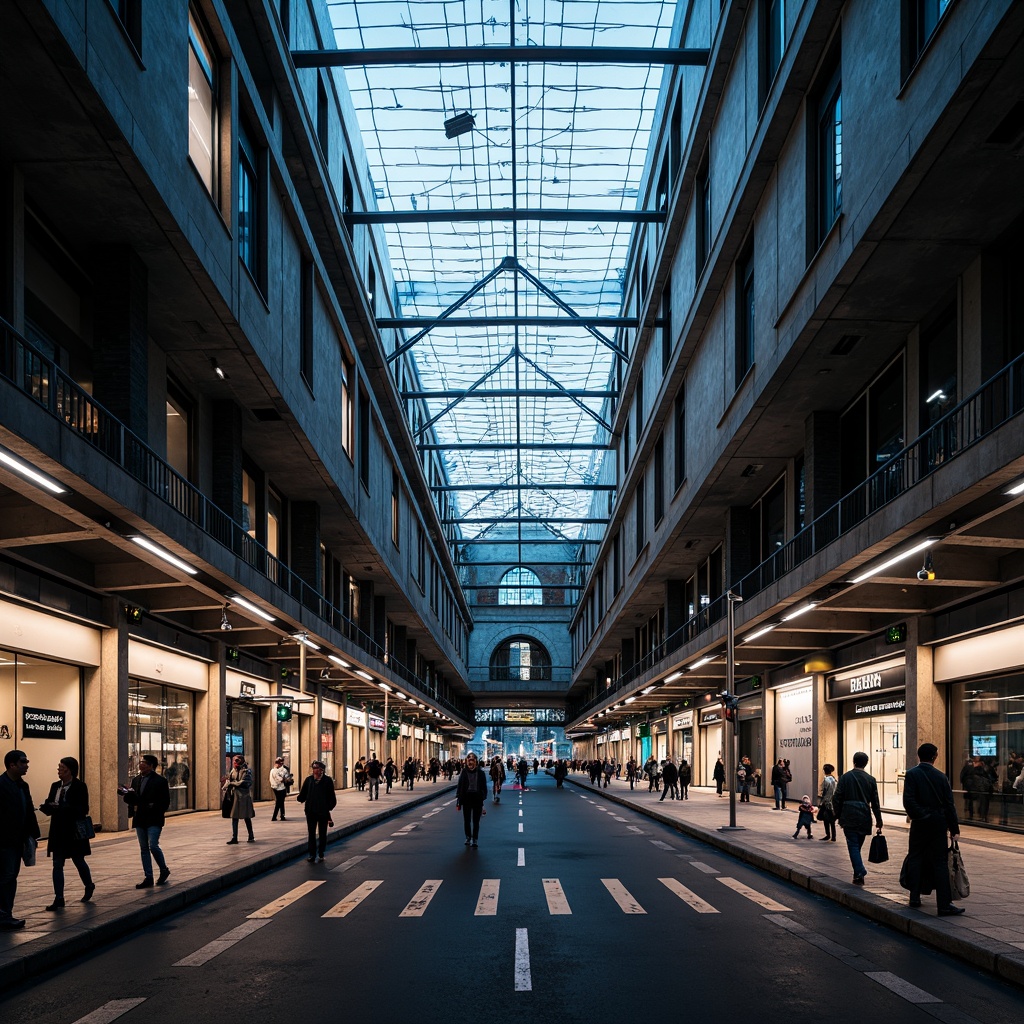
(682, 739)
(710, 739)
(794, 736)
(750, 717)
(873, 718)
(660, 735)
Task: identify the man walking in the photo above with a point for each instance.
(669, 780)
(855, 801)
(17, 823)
(148, 797)
(318, 799)
(374, 770)
(928, 800)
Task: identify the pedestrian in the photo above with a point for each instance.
(237, 785)
(374, 773)
(536, 765)
(318, 799)
(685, 777)
(781, 777)
(855, 800)
(744, 777)
(826, 812)
(631, 771)
(17, 825)
(653, 775)
(280, 781)
(669, 780)
(561, 770)
(409, 773)
(928, 800)
(360, 774)
(148, 798)
(523, 770)
(469, 797)
(390, 771)
(608, 769)
(497, 774)
(805, 816)
(718, 774)
(979, 782)
(66, 804)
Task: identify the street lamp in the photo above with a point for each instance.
(730, 703)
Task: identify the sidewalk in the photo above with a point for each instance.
(989, 935)
(200, 864)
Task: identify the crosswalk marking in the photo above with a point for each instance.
(661, 845)
(553, 893)
(706, 868)
(751, 894)
(110, 1011)
(522, 971)
(286, 900)
(353, 899)
(409, 828)
(617, 818)
(487, 902)
(419, 903)
(635, 828)
(350, 863)
(622, 896)
(377, 847)
(221, 945)
(691, 899)
(521, 862)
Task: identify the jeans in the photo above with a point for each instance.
(149, 843)
(780, 796)
(279, 795)
(78, 859)
(744, 794)
(10, 865)
(854, 843)
(374, 788)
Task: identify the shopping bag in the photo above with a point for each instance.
(959, 883)
(878, 852)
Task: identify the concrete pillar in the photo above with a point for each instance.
(926, 702)
(209, 727)
(226, 458)
(111, 729)
(826, 731)
(305, 542)
(822, 479)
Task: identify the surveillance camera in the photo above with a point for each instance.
(226, 626)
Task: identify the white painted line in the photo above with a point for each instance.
(520, 826)
(752, 894)
(911, 993)
(706, 868)
(617, 818)
(827, 945)
(350, 863)
(521, 862)
(221, 945)
(691, 899)
(520, 813)
(409, 828)
(487, 901)
(661, 845)
(522, 971)
(419, 903)
(377, 847)
(353, 899)
(635, 828)
(110, 1011)
(622, 896)
(447, 803)
(553, 893)
(286, 900)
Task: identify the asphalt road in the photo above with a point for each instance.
(571, 910)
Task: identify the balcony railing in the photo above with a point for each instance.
(41, 379)
(978, 415)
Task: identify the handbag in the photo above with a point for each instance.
(84, 828)
(959, 883)
(289, 780)
(878, 852)
(227, 802)
(28, 851)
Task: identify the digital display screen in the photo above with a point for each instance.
(984, 746)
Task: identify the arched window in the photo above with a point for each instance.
(520, 659)
(520, 586)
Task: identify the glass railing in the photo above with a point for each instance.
(982, 412)
(41, 379)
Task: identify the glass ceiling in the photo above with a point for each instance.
(551, 136)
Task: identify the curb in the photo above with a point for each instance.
(991, 955)
(58, 948)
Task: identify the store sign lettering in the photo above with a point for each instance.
(43, 724)
(376, 723)
(893, 678)
(881, 707)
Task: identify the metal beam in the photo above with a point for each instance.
(504, 562)
(533, 520)
(522, 542)
(398, 323)
(503, 216)
(415, 55)
(512, 446)
(510, 393)
(527, 486)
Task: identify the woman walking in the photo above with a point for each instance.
(66, 804)
(781, 778)
(238, 785)
(469, 797)
(826, 812)
(685, 777)
(318, 799)
(719, 776)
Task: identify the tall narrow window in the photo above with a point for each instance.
(322, 117)
(371, 287)
(202, 96)
(921, 19)
(347, 196)
(638, 408)
(346, 406)
(179, 431)
(616, 564)
(363, 440)
(249, 207)
(396, 525)
(129, 13)
(666, 327)
(641, 515)
(829, 154)
(744, 316)
(275, 523)
(679, 436)
(773, 29)
(703, 201)
(659, 479)
(306, 290)
(675, 141)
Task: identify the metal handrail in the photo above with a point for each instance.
(39, 377)
(982, 412)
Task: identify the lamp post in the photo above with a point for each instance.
(731, 744)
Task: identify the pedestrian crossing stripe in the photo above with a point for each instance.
(221, 945)
(353, 899)
(110, 1011)
(487, 901)
(752, 894)
(701, 866)
(622, 896)
(555, 895)
(286, 900)
(417, 906)
(690, 898)
(350, 863)
(377, 847)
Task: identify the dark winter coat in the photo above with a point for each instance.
(63, 838)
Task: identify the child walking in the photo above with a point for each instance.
(805, 818)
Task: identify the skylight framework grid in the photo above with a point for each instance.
(524, 408)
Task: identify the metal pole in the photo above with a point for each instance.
(344, 741)
(386, 741)
(731, 743)
(302, 690)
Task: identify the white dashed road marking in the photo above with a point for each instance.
(110, 1011)
(377, 847)
(521, 862)
(522, 971)
(691, 899)
(622, 896)
(553, 893)
(520, 826)
(350, 863)
(661, 845)
(286, 900)
(911, 993)
(487, 902)
(752, 894)
(353, 899)
(706, 868)
(221, 945)
(635, 828)
(419, 903)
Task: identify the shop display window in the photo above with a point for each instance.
(160, 723)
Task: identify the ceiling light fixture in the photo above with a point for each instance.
(672, 678)
(459, 124)
(303, 638)
(249, 606)
(25, 470)
(701, 662)
(155, 549)
(1017, 488)
(909, 553)
(216, 367)
(338, 661)
(759, 633)
(629, 700)
(803, 609)
(225, 623)
(647, 689)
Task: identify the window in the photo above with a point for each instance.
(322, 117)
(421, 556)
(346, 405)
(364, 440)
(768, 526)
(284, 13)
(744, 316)
(275, 523)
(939, 384)
(179, 431)
(625, 447)
(520, 586)
(250, 241)
(347, 202)
(371, 288)
(703, 201)
(616, 565)
(659, 479)
(666, 327)
(921, 18)
(520, 659)
(829, 154)
(129, 13)
(249, 519)
(799, 494)
(306, 288)
(202, 101)
(871, 430)
(773, 33)
(679, 439)
(641, 515)
(638, 408)
(675, 141)
(396, 490)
